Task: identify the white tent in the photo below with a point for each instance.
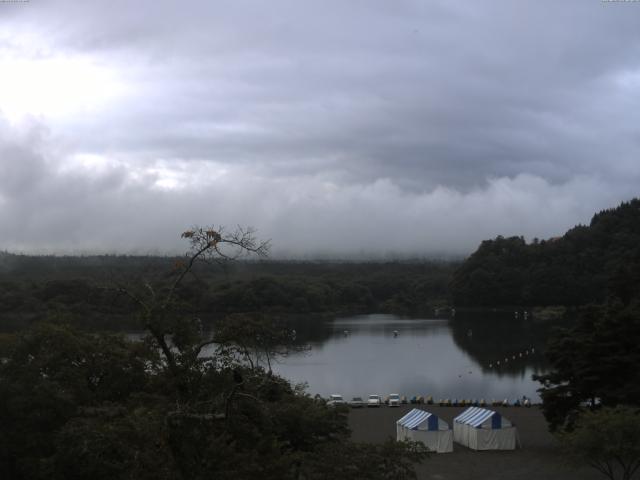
(425, 427)
(482, 429)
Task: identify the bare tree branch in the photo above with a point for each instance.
(157, 303)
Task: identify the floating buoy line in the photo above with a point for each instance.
(513, 357)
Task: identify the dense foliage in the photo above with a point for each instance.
(184, 404)
(608, 440)
(72, 288)
(80, 405)
(584, 266)
(593, 363)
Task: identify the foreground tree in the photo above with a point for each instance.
(77, 405)
(594, 363)
(160, 306)
(387, 461)
(56, 377)
(608, 440)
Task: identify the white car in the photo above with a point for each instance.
(374, 401)
(394, 400)
(335, 399)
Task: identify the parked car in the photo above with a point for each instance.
(394, 399)
(356, 402)
(374, 401)
(335, 399)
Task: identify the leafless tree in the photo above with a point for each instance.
(181, 342)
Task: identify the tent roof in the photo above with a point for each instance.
(474, 416)
(414, 418)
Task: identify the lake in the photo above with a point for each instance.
(445, 358)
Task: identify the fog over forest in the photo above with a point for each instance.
(334, 128)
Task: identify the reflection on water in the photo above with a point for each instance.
(383, 354)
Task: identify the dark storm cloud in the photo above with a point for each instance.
(325, 123)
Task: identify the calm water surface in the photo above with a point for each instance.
(442, 358)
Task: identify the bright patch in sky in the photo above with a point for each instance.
(54, 87)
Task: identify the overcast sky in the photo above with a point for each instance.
(333, 127)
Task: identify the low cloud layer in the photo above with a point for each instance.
(341, 129)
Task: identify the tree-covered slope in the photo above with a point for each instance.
(585, 265)
(81, 290)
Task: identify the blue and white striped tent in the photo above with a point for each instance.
(419, 425)
(483, 429)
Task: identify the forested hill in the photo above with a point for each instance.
(585, 265)
(81, 290)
